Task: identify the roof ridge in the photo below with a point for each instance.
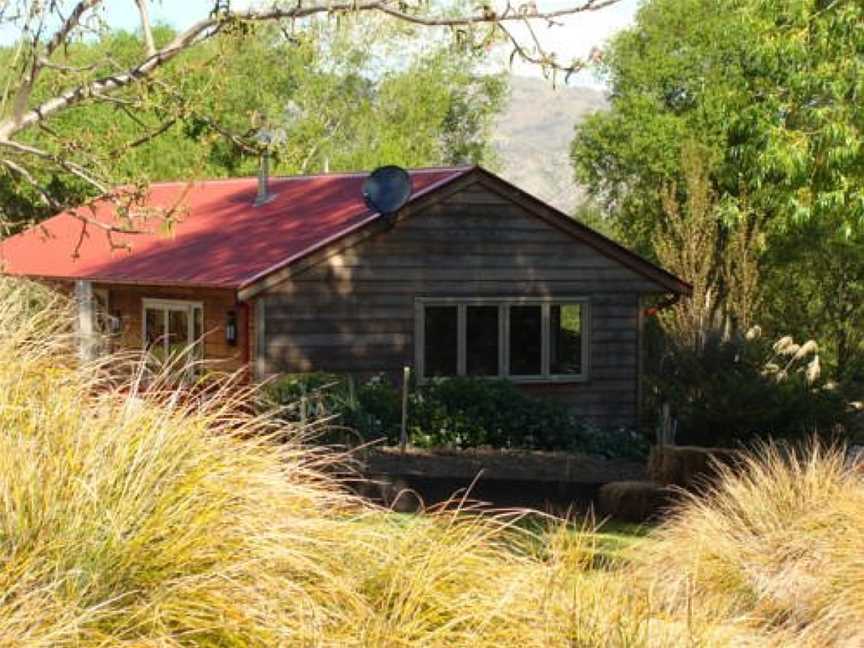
(334, 174)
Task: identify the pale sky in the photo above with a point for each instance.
(575, 38)
(579, 33)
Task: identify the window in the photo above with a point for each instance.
(526, 340)
(481, 341)
(441, 357)
(523, 339)
(565, 339)
(172, 327)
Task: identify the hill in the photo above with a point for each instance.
(532, 137)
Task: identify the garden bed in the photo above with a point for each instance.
(509, 465)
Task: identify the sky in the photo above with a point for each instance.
(575, 38)
(579, 34)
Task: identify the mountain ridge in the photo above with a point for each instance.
(532, 134)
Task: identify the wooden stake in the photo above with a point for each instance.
(403, 435)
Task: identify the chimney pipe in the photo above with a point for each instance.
(264, 180)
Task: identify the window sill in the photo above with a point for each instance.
(561, 379)
(518, 380)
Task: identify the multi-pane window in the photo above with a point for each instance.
(172, 328)
(526, 340)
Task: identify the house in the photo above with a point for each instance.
(471, 277)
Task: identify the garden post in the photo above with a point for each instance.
(403, 432)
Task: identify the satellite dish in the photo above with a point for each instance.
(387, 188)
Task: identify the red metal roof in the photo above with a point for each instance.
(222, 239)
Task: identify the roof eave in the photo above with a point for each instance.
(162, 283)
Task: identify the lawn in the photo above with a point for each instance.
(616, 540)
(610, 542)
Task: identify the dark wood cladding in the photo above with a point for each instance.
(352, 309)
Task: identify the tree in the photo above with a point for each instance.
(48, 73)
(435, 108)
(771, 87)
(721, 263)
(814, 284)
(688, 243)
(659, 73)
(771, 90)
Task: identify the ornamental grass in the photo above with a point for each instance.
(160, 517)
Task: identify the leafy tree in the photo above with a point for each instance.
(814, 285)
(771, 87)
(657, 105)
(345, 113)
(771, 90)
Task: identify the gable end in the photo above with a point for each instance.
(475, 191)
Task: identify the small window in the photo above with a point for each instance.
(154, 328)
(565, 341)
(173, 328)
(103, 322)
(523, 339)
(481, 341)
(526, 340)
(440, 356)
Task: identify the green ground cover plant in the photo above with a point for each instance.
(447, 413)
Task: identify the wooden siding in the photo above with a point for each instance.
(127, 301)
(352, 310)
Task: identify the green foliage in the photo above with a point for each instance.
(466, 412)
(341, 100)
(454, 413)
(771, 91)
(338, 405)
(771, 88)
(736, 390)
(814, 285)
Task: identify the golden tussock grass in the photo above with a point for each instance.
(159, 519)
(776, 545)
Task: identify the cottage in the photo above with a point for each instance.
(471, 277)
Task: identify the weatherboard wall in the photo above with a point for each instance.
(127, 302)
(352, 309)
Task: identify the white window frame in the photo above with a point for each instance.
(504, 304)
(167, 305)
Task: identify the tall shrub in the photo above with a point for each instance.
(737, 389)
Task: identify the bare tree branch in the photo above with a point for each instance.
(27, 177)
(68, 166)
(61, 36)
(67, 69)
(69, 25)
(144, 13)
(488, 16)
(151, 135)
(208, 27)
